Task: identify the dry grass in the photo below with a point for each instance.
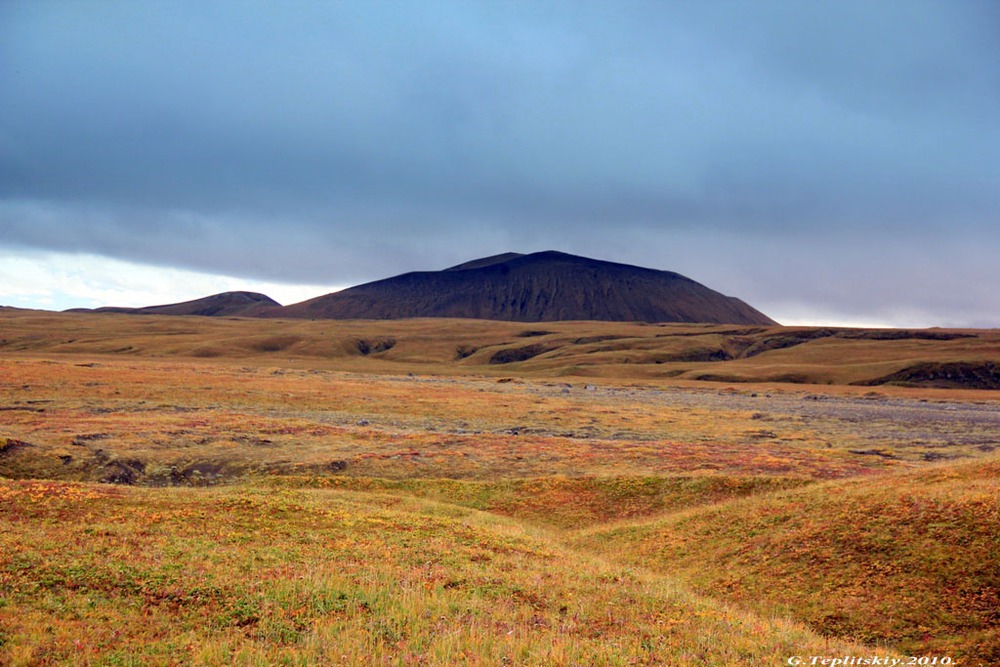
(164, 422)
(103, 575)
(562, 503)
(910, 559)
(380, 493)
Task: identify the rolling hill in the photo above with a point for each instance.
(227, 304)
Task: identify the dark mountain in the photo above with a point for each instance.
(227, 304)
(543, 286)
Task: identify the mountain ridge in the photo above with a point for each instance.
(537, 287)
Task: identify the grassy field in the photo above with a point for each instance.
(910, 559)
(202, 491)
(952, 359)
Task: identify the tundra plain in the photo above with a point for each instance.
(187, 490)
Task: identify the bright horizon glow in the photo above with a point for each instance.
(59, 281)
(803, 315)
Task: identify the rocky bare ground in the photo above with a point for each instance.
(869, 424)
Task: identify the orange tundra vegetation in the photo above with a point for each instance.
(184, 490)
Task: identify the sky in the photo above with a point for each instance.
(827, 162)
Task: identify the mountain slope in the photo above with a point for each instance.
(543, 286)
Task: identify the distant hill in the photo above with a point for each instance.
(543, 286)
(227, 304)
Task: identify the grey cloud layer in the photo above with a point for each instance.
(338, 142)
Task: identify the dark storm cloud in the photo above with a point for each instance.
(342, 142)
